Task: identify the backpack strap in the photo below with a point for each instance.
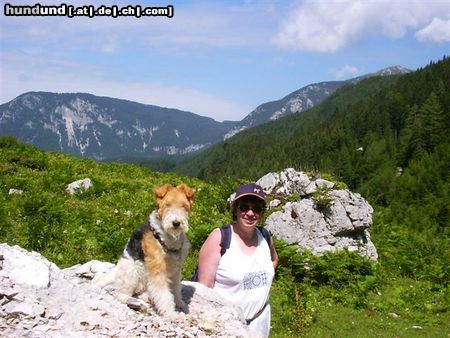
(266, 234)
(225, 239)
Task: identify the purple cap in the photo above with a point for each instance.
(251, 189)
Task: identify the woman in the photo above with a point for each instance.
(243, 275)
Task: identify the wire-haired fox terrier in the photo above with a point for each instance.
(150, 266)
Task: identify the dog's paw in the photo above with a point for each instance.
(182, 306)
(176, 317)
(122, 297)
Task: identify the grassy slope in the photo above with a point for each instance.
(346, 297)
(72, 229)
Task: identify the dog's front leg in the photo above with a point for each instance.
(175, 287)
(160, 294)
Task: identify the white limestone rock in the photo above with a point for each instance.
(343, 225)
(14, 191)
(37, 299)
(80, 185)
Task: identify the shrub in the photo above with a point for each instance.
(322, 199)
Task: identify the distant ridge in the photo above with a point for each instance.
(86, 125)
(303, 99)
(104, 128)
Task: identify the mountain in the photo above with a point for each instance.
(337, 134)
(302, 99)
(394, 70)
(106, 128)
(102, 128)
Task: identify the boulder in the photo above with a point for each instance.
(342, 221)
(80, 185)
(14, 191)
(37, 299)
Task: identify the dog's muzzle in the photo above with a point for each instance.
(175, 221)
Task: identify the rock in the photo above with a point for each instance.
(286, 183)
(51, 302)
(324, 184)
(89, 269)
(81, 185)
(13, 191)
(28, 269)
(274, 203)
(342, 224)
(269, 181)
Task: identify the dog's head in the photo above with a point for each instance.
(174, 205)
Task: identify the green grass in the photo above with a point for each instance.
(302, 311)
(339, 321)
(337, 295)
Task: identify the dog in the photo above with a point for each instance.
(150, 266)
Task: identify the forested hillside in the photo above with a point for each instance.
(385, 137)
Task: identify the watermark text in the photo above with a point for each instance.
(87, 10)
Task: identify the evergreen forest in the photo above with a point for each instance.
(385, 137)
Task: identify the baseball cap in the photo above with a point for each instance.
(250, 189)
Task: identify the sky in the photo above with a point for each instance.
(219, 59)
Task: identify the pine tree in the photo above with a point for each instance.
(414, 143)
(433, 122)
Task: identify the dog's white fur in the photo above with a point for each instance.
(157, 278)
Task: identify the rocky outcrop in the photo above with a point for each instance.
(37, 299)
(315, 214)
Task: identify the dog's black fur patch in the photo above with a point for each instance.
(134, 246)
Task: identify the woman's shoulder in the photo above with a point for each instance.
(213, 238)
(215, 233)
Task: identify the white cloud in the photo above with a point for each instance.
(330, 26)
(206, 25)
(61, 76)
(437, 31)
(344, 72)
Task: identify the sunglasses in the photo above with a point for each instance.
(256, 208)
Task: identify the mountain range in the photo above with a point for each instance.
(105, 128)
(302, 99)
(85, 125)
(380, 123)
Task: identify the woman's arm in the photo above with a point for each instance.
(273, 254)
(208, 259)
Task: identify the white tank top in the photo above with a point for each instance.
(246, 280)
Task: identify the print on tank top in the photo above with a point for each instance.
(254, 280)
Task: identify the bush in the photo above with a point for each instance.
(322, 199)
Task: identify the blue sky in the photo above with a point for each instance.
(217, 58)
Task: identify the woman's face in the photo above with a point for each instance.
(249, 211)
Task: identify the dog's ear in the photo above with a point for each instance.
(161, 191)
(188, 191)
